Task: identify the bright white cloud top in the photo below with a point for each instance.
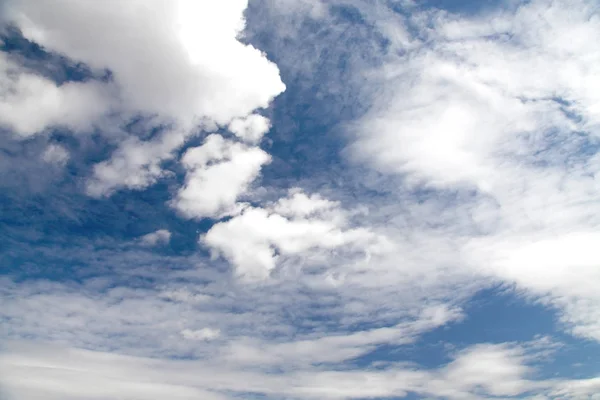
(179, 61)
(471, 164)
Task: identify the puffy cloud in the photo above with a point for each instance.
(299, 205)
(178, 61)
(55, 154)
(199, 68)
(250, 129)
(30, 103)
(255, 239)
(218, 172)
(136, 164)
(161, 236)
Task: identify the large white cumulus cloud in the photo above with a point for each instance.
(178, 61)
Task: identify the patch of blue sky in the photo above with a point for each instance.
(306, 140)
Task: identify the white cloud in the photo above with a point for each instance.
(30, 103)
(199, 68)
(480, 372)
(200, 74)
(55, 154)
(218, 172)
(135, 164)
(205, 334)
(497, 114)
(578, 389)
(76, 374)
(500, 370)
(233, 338)
(251, 240)
(335, 348)
(561, 268)
(251, 129)
(299, 205)
(160, 237)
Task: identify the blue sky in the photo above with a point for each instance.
(306, 199)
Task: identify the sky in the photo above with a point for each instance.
(299, 199)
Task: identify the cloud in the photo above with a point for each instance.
(209, 336)
(184, 296)
(335, 348)
(136, 164)
(559, 268)
(250, 240)
(30, 103)
(498, 112)
(504, 366)
(218, 172)
(64, 373)
(250, 129)
(199, 68)
(161, 236)
(55, 154)
(201, 75)
(478, 175)
(201, 334)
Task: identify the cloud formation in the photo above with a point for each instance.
(178, 61)
(479, 372)
(471, 164)
(502, 105)
(30, 103)
(218, 172)
(161, 236)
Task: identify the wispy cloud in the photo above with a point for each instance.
(502, 106)
(479, 372)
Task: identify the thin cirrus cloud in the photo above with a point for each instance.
(471, 165)
(490, 370)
